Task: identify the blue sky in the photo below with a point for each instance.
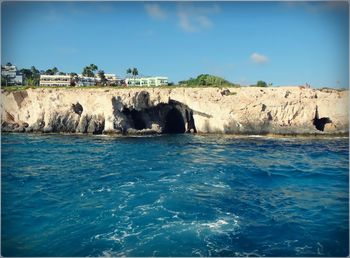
(284, 43)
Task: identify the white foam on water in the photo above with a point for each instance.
(160, 200)
(256, 136)
(215, 225)
(170, 180)
(303, 250)
(128, 184)
(108, 253)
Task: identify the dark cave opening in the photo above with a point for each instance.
(138, 120)
(174, 122)
(320, 123)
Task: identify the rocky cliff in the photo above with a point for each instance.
(246, 110)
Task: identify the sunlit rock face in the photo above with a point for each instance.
(246, 110)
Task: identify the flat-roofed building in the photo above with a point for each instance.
(91, 81)
(147, 81)
(111, 79)
(86, 81)
(55, 80)
(11, 75)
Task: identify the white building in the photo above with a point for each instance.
(91, 81)
(11, 75)
(147, 81)
(86, 81)
(55, 80)
(111, 77)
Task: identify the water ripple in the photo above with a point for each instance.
(181, 195)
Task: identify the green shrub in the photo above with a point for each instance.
(206, 80)
(261, 84)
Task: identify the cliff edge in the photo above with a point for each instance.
(246, 110)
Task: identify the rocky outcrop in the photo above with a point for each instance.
(246, 110)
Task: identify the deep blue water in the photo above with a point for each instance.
(177, 195)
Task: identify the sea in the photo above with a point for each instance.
(174, 195)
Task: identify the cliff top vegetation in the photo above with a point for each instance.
(207, 80)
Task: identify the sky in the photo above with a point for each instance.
(283, 43)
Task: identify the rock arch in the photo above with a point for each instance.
(174, 122)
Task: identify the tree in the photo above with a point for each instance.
(101, 75)
(5, 80)
(27, 74)
(54, 70)
(34, 71)
(134, 73)
(93, 67)
(206, 80)
(32, 82)
(49, 72)
(129, 71)
(35, 78)
(89, 70)
(261, 84)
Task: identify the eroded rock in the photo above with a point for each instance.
(285, 110)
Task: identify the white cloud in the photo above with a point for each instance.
(204, 21)
(194, 18)
(259, 58)
(185, 23)
(155, 11)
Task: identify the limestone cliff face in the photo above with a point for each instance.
(246, 110)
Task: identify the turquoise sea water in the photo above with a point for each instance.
(174, 195)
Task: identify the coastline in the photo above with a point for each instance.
(140, 111)
(224, 135)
